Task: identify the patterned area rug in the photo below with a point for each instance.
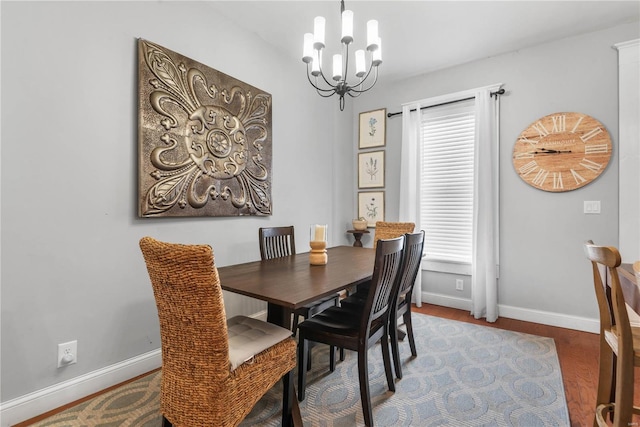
(464, 375)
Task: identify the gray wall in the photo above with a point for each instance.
(71, 266)
(542, 266)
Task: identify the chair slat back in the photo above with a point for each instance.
(413, 246)
(276, 242)
(611, 304)
(385, 271)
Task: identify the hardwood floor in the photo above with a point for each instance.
(578, 353)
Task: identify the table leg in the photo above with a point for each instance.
(279, 315)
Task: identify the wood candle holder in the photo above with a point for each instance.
(318, 254)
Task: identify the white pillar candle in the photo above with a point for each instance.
(318, 32)
(307, 48)
(376, 55)
(361, 67)
(337, 67)
(372, 34)
(347, 26)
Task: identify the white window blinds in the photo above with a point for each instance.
(446, 209)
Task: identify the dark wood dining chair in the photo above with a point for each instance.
(358, 330)
(385, 230)
(214, 369)
(276, 242)
(403, 290)
(619, 341)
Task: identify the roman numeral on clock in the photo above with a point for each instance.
(596, 148)
(579, 179)
(559, 123)
(587, 136)
(540, 177)
(592, 166)
(542, 131)
(557, 180)
(528, 168)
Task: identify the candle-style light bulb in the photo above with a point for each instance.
(347, 26)
(361, 67)
(318, 32)
(315, 64)
(307, 49)
(372, 35)
(337, 67)
(376, 55)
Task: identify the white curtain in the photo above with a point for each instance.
(410, 179)
(484, 286)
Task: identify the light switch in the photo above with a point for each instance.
(592, 207)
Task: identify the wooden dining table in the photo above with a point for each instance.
(290, 282)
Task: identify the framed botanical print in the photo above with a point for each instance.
(373, 128)
(371, 206)
(371, 169)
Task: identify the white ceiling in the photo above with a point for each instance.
(423, 36)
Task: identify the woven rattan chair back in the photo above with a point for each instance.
(198, 386)
(276, 242)
(391, 230)
(619, 341)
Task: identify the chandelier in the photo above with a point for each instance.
(312, 56)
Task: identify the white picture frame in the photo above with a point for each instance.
(373, 129)
(371, 171)
(371, 206)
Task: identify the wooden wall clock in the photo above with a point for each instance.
(562, 152)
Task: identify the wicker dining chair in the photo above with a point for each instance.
(391, 230)
(358, 330)
(214, 370)
(619, 341)
(276, 242)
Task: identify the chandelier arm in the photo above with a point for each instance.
(324, 77)
(332, 89)
(326, 95)
(345, 55)
(359, 91)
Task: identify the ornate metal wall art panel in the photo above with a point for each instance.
(204, 139)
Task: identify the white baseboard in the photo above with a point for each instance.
(41, 401)
(536, 316)
(55, 396)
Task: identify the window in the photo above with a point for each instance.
(446, 184)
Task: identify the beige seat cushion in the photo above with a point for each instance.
(248, 337)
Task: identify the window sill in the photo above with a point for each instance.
(447, 267)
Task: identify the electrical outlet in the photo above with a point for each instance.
(459, 285)
(67, 353)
